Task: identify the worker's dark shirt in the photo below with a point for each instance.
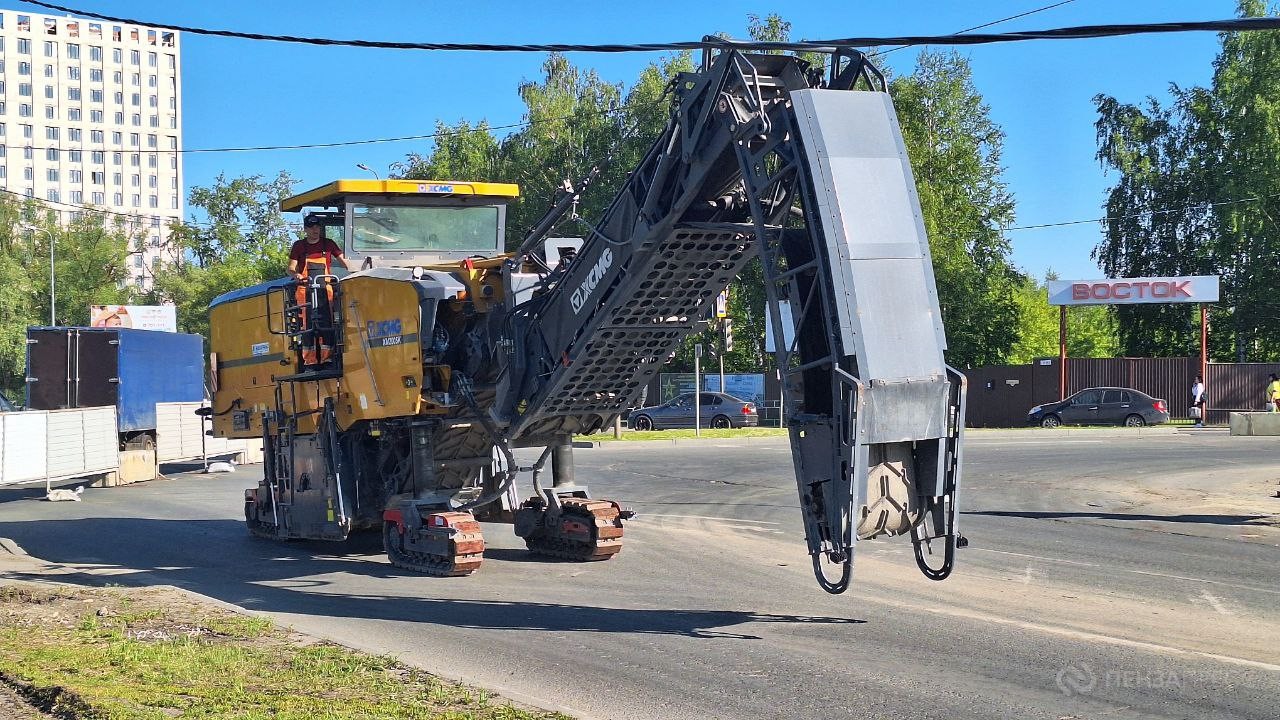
(314, 258)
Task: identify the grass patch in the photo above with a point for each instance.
(707, 434)
(154, 653)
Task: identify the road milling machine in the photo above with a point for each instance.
(446, 353)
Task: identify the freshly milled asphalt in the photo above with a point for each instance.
(1107, 576)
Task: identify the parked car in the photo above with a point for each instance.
(1101, 406)
(718, 411)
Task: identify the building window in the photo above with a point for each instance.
(134, 57)
(28, 173)
(24, 68)
(152, 181)
(51, 49)
(95, 53)
(24, 46)
(136, 79)
(51, 133)
(74, 156)
(75, 176)
(137, 120)
(117, 55)
(3, 172)
(137, 201)
(51, 174)
(73, 73)
(153, 201)
(151, 81)
(119, 118)
(151, 161)
(117, 158)
(73, 94)
(95, 116)
(48, 92)
(73, 134)
(28, 153)
(51, 153)
(119, 97)
(152, 100)
(173, 122)
(98, 198)
(53, 195)
(27, 131)
(134, 139)
(135, 160)
(73, 114)
(135, 99)
(136, 180)
(96, 136)
(95, 75)
(117, 137)
(117, 77)
(73, 51)
(49, 112)
(2, 129)
(77, 196)
(173, 162)
(48, 71)
(97, 177)
(97, 157)
(119, 198)
(175, 202)
(24, 89)
(117, 179)
(151, 59)
(95, 95)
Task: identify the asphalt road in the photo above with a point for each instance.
(1108, 576)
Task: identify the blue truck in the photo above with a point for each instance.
(75, 367)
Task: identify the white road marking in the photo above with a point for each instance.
(1135, 572)
(1077, 634)
(710, 517)
(1217, 604)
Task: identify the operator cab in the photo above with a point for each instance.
(409, 223)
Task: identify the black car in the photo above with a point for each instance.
(1101, 406)
(718, 411)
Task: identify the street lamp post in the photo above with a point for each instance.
(366, 168)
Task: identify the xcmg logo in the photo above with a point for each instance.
(382, 328)
(579, 297)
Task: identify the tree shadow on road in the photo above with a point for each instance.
(219, 559)
(1067, 515)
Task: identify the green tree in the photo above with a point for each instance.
(955, 151)
(1196, 194)
(245, 242)
(91, 256)
(1091, 330)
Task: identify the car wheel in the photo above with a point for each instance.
(1050, 421)
(1134, 421)
(721, 422)
(642, 423)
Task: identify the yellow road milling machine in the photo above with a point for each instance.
(445, 353)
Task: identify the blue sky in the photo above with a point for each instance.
(246, 93)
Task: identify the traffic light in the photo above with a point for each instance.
(727, 325)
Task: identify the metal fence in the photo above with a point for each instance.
(1001, 395)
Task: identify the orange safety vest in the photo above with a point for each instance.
(316, 260)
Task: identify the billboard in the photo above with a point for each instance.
(1133, 291)
(138, 317)
(744, 386)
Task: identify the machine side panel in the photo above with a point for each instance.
(875, 244)
(381, 350)
(248, 359)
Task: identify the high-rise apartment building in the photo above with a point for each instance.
(90, 115)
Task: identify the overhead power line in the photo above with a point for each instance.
(1066, 33)
(989, 24)
(1161, 211)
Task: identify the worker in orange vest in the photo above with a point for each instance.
(311, 257)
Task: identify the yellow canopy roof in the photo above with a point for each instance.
(332, 194)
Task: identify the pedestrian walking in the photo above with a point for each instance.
(1197, 402)
(1273, 393)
